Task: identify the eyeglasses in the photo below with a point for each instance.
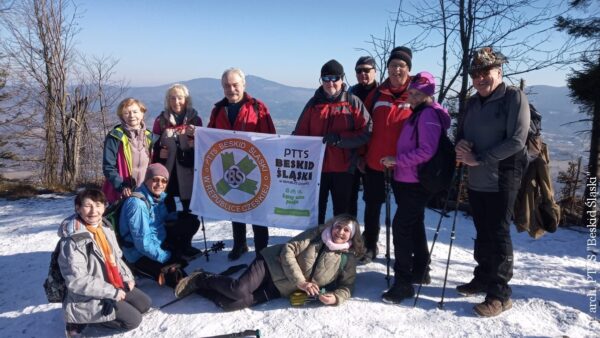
(330, 78)
(363, 70)
(161, 180)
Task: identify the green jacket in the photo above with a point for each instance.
(292, 262)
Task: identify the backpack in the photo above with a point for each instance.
(54, 285)
(533, 144)
(534, 135)
(113, 214)
(436, 174)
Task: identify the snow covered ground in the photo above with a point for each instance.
(550, 290)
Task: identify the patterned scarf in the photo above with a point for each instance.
(114, 277)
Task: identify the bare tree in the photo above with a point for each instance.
(457, 28)
(73, 94)
(40, 44)
(104, 93)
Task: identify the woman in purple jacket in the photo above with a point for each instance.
(426, 123)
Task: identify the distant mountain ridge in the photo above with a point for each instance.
(284, 102)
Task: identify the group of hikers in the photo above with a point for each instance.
(371, 130)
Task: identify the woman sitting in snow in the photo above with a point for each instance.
(100, 286)
(322, 257)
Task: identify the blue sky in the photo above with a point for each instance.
(162, 42)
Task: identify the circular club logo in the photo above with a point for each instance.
(235, 175)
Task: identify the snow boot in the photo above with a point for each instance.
(73, 330)
(471, 288)
(492, 307)
(369, 256)
(237, 252)
(190, 284)
(398, 292)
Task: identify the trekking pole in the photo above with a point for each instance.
(452, 234)
(246, 333)
(437, 232)
(204, 235)
(387, 176)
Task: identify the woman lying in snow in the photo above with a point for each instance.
(322, 257)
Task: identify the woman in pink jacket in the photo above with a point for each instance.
(417, 143)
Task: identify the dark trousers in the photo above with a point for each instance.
(179, 237)
(153, 269)
(374, 197)
(254, 286)
(340, 186)
(129, 311)
(492, 214)
(410, 242)
(181, 232)
(261, 235)
(173, 190)
(353, 206)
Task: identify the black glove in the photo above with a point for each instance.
(107, 306)
(331, 138)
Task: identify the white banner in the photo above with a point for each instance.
(254, 178)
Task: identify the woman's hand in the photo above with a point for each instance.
(120, 295)
(328, 299)
(164, 153)
(311, 289)
(388, 161)
(131, 284)
(126, 192)
(189, 130)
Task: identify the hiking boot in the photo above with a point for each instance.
(237, 252)
(190, 253)
(471, 288)
(73, 330)
(397, 293)
(492, 307)
(369, 256)
(189, 284)
(424, 279)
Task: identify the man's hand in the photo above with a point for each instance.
(331, 139)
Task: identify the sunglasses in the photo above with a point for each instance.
(363, 70)
(330, 78)
(160, 180)
(480, 73)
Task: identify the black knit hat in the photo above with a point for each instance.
(332, 67)
(365, 60)
(402, 53)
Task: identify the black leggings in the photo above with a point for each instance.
(254, 286)
(130, 310)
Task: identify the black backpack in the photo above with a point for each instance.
(436, 174)
(112, 214)
(54, 285)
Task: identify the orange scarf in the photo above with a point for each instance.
(114, 277)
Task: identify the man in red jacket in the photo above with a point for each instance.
(239, 111)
